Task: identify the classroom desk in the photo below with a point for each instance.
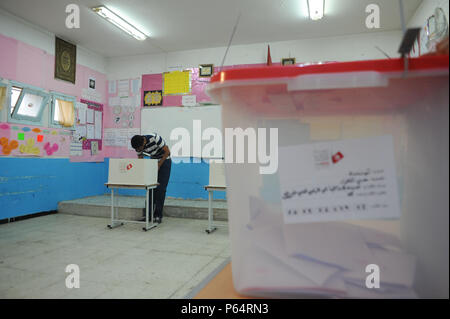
(211, 189)
(119, 222)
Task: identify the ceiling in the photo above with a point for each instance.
(176, 25)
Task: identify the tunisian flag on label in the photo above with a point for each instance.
(337, 157)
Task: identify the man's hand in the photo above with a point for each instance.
(165, 155)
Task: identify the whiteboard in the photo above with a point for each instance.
(162, 120)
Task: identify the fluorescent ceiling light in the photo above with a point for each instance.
(110, 16)
(315, 8)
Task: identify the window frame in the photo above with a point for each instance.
(24, 119)
(5, 85)
(65, 97)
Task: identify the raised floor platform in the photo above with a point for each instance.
(130, 207)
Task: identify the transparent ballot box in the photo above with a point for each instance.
(337, 178)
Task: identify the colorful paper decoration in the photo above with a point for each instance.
(152, 98)
(7, 146)
(40, 138)
(51, 149)
(21, 136)
(29, 148)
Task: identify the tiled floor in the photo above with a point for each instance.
(126, 262)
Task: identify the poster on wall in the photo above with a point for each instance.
(65, 60)
(177, 83)
(92, 83)
(153, 98)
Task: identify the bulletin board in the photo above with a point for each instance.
(122, 117)
(94, 120)
(86, 144)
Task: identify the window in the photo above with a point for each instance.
(63, 110)
(30, 105)
(15, 93)
(26, 104)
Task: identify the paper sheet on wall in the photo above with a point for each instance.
(109, 137)
(341, 180)
(135, 86)
(123, 87)
(89, 116)
(90, 131)
(112, 87)
(132, 132)
(91, 95)
(189, 100)
(80, 131)
(94, 148)
(126, 101)
(122, 137)
(114, 101)
(98, 125)
(76, 148)
(137, 100)
(81, 107)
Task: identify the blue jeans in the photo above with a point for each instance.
(160, 191)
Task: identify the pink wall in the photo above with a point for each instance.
(8, 57)
(30, 65)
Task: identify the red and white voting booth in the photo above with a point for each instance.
(133, 173)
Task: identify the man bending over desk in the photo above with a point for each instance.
(154, 146)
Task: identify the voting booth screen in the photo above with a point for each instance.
(132, 171)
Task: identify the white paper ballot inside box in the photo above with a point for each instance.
(127, 171)
(326, 258)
